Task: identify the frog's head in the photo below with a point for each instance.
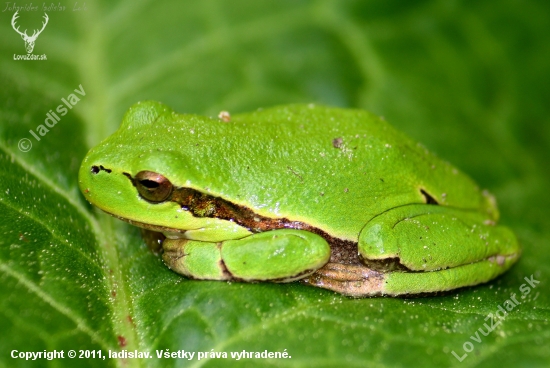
(134, 175)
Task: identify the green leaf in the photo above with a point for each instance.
(467, 79)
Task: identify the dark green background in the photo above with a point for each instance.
(468, 79)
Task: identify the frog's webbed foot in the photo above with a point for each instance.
(351, 280)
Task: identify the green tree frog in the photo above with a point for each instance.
(335, 198)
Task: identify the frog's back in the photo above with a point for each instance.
(332, 168)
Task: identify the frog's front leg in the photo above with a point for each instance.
(422, 248)
(279, 256)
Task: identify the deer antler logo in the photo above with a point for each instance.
(29, 40)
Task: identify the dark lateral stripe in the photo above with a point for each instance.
(204, 205)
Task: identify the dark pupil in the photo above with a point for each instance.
(149, 184)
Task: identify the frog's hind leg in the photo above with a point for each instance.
(422, 248)
(278, 256)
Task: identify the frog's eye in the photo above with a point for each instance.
(152, 186)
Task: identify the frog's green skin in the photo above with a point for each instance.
(334, 197)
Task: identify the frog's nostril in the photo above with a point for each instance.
(96, 169)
